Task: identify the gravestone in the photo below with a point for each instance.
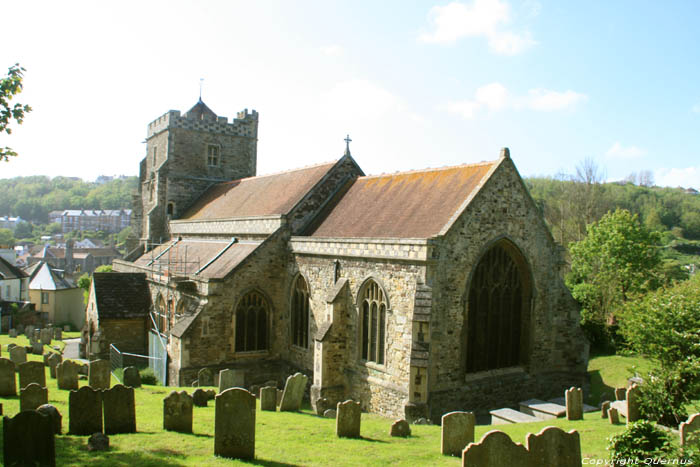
(620, 394)
(400, 428)
(574, 404)
(56, 417)
(10, 346)
(686, 428)
(31, 372)
(293, 393)
(29, 440)
(330, 413)
(210, 393)
(234, 424)
(67, 375)
(66, 328)
(98, 442)
(132, 377)
(348, 419)
(36, 335)
(177, 412)
(613, 416)
(38, 348)
(200, 397)
(29, 331)
(322, 404)
(8, 383)
(496, 449)
(58, 334)
(554, 446)
(13, 333)
(230, 379)
(20, 329)
(604, 407)
(633, 400)
(119, 410)
(18, 354)
(195, 383)
(457, 432)
(205, 377)
(84, 411)
(99, 374)
(268, 398)
(53, 360)
(45, 336)
(32, 397)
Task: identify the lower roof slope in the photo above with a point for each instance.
(121, 295)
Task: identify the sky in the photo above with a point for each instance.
(415, 84)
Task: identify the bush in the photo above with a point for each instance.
(148, 376)
(641, 440)
(666, 393)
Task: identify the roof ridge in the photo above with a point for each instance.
(306, 167)
(432, 169)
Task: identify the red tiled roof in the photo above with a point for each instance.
(415, 204)
(257, 196)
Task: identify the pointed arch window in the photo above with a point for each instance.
(160, 314)
(300, 313)
(373, 323)
(252, 315)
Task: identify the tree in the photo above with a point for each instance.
(85, 281)
(9, 87)
(7, 240)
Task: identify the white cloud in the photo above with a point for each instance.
(493, 96)
(480, 18)
(547, 100)
(696, 108)
(332, 50)
(685, 177)
(617, 150)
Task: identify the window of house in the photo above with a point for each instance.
(300, 313)
(44, 298)
(213, 155)
(373, 322)
(251, 328)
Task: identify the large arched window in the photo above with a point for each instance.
(252, 323)
(498, 310)
(300, 313)
(373, 322)
(160, 314)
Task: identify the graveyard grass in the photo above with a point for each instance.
(282, 438)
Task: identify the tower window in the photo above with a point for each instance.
(155, 153)
(213, 159)
(373, 318)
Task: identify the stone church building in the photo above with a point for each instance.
(415, 293)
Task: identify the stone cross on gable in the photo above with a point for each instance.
(347, 144)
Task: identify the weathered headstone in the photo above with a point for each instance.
(234, 424)
(321, 405)
(119, 409)
(554, 446)
(613, 416)
(457, 432)
(268, 398)
(633, 400)
(293, 393)
(18, 354)
(620, 394)
(195, 383)
(205, 377)
(66, 328)
(20, 329)
(53, 360)
(604, 407)
(58, 334)
(29, 331)
(45, 336)
(10, 346)
(98, 442)
(32, 397)
(38, 348)
(400, 428)
(67, 374)
(210, 393)
(348, 419)
(85, 411)
(13, 333)
(132, 377)
(99, 374)
(56, 417)
(230, 379)
(200, 397)
(8, 383)
(686, 428)
(330, 413)
(574, 404)
(496, 449)
(31, 372)
(36, 335)
(177, 412)
(29, 440)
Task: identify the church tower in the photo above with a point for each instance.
(185, 154)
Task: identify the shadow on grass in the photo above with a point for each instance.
(599, 390)
(269, 463)
(74, 451)
(372, 440)
(199, 435)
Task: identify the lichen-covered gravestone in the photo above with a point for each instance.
(348, 419)
(400, 429)
(457, 432)
(234, 424)
(293, 393)
(205, 377)
(132, 377)
(8, 383)
(85, 411)
(321, 405)
(18, 354)
(32, 397)
(268, 398)
(230, 379)
(45, 336)
(29, 440)
(496, 449)
(56, 417)
(554, 446)
(37, 348)
(686, 428)
(200, 397)
(53, 360)
(119, 410)
(99, 374)
(31, 372)
(177, 412)
(67, 375)
(29, 332)
(633, 400)
(574, 404)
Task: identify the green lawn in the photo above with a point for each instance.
(608, 372)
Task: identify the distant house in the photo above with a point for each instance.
(11, 223)
(74, 260)
(117, 313)
(57, 299)
(106, 220)
(13, 282)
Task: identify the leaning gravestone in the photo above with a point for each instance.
(119, 410)
(457, 432)
(200, 397)
(400, 428)
(268, 398)
(633, 399)
(67, 374)
(31, 372)
(234, 424)
(293, 393)
(29, 440)
(177, 412)
(496, 449)
(686, 428)
(18, 354)
(8, 382)
(574, 404)
(347, 420)
(604, 407)
(132, 377)
(99, 374)
(205, 377)
(613, 416)
(56, 417)
(554, 446)
(85, 411)
(45, 336)
(53, 360)
(32, 397)
(230, 379)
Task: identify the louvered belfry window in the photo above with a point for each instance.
(252, 315)
(300, 313)
(373, 317)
